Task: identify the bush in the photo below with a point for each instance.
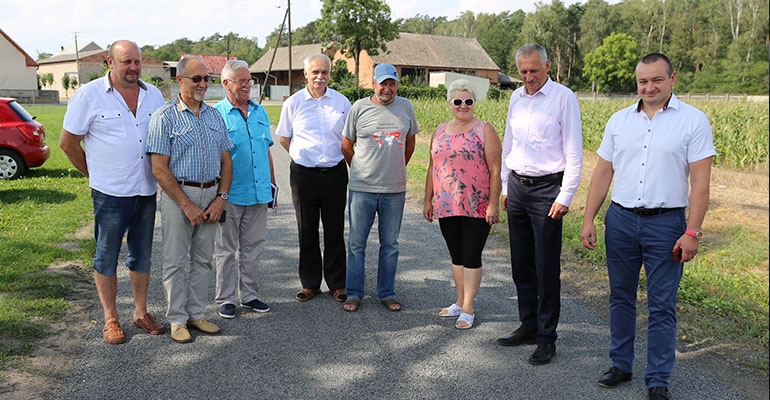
(356, 92)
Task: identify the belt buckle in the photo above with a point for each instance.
(646, 212)
(526, 181)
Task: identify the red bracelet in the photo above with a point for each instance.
(693, 234)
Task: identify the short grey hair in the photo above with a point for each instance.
(317, 55)
(529, 49)
(181, 67)
(459, 85)
(228, 71)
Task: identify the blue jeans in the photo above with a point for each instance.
(113, 217)
(362, 207)
(633, 241)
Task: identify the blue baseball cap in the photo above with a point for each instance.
(385, 71)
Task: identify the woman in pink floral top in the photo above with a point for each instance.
(462, 190)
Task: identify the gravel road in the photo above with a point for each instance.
(316, 350)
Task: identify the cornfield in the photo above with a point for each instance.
(740, 127)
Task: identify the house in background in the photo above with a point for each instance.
(18, 71)
(90, 64)
(278, 80)
(213, 61)
(418, 55)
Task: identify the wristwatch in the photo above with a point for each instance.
(224, 196)
(694, 234)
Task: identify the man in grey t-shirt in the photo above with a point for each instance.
(377, 142)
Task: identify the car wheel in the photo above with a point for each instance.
(11, 164)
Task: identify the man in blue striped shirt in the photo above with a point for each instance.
(190, 152)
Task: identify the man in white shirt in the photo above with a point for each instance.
(653, 149)
(310, 129)
(110, 116)
(542, 158)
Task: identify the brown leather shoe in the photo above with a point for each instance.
(112, 333)
(149, 324)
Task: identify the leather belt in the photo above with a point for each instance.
(646, 212)
(532, 180)
(322, 169)
(203, 185)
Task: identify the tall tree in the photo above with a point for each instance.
(357, 25)
(498, 34)
(549, 27)
(419, 24)
(611, 66)
(596, 24)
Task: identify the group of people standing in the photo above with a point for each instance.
(215, 171)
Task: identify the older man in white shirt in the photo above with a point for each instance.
(310, 129)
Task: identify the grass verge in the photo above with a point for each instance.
(38, 213)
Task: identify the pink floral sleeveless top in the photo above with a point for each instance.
(460, 173)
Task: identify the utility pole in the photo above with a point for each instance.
(77, 57)
(288, 12)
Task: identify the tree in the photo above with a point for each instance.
(65, 83)
(49, 79)
(357, 25)
(43, 55)
(611, 66)
(341, 78)
(73, 83)
(498, 35)
(549, 26)
(419, 24)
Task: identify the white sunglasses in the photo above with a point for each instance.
(458, 102)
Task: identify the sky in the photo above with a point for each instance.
(46, 26)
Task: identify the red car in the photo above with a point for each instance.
(22, 140)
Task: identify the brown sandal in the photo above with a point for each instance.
(339, 295)
(306, 294)
(112, 333)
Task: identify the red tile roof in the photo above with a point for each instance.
(214, 62)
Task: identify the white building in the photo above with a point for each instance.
(18, 71)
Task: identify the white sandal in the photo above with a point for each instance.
(452, 311)
(465, 317)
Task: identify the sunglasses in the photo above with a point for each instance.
(198, 78)
(242, 82)
(459, 102)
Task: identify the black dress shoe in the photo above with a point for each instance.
(543, 354)
(614, 377)
(519, 336)
(658, 393)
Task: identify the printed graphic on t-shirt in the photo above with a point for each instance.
(382, 137)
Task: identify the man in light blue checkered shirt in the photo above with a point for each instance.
(190, 153)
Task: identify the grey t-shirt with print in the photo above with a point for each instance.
(379, 134)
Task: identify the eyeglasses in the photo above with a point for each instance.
(198, 78)
(242, 82)
(458, 102)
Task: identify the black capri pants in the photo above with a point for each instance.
(465, 238)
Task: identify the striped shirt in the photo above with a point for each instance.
(194, 144)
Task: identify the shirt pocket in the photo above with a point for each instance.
(186, 138)
(110, 123)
